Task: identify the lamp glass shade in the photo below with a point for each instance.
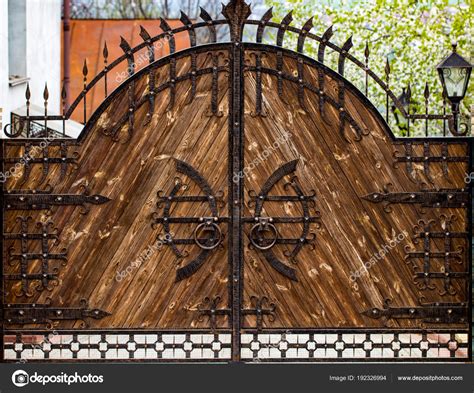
(455, 81)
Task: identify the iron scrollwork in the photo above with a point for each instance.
(264, 234)
(207, 234)
(34, 154)
(423, 272)
(261, 308)
(24, 281)
(410, 159)
(210, 309)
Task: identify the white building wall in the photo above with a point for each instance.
(43, 56)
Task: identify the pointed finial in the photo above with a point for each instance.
(367, 51)
(454, 45)
(105, 51)
(387, 68)
(426, 92)
(28, 92)
(45, 92)
(84, 68)
(63, 92)
(236, 13)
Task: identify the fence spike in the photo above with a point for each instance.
(144, 34)
(125, 46)
(324, 41)
(366, 55)
(85, 69)
(45, 92)
(286, 21)
(267, 16)
(28, 92)
(63, 93)
(189, 24)
(387, 68)
(426, 92)
(105, 52)
(208, 19)
(304, 33)
(167, 29)
(342, 56)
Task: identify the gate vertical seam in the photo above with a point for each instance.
(236, 149)
(236, 12)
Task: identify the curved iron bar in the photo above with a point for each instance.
(192, 267)
(265, 22)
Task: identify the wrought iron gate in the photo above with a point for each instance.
(192, 243)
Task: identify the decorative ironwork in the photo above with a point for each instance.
(215, 82)
(47, 275)
(206, 225)
(236, 12)
(39, 314)
(236, 17)
(263, 226)
(45, 200)
(427, 159)
(423, 272)
(35, 154)
(209, 308)
(376, 345)
(210, 24)
(207, 234)
(321, 51)
(429, 313)
(259, 109)
(113, 345)
(281, 76)
(151, 75)
(266, 17)
(260, 307)
(443, 198)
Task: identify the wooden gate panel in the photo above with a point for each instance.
(344, 173)
(130, 171)
(232, 201)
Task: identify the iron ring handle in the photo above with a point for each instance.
(267, 227)
(215, 229)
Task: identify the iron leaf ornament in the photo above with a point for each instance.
(236, 12)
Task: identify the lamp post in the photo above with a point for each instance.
(454, 73)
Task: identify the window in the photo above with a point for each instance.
(17, 41)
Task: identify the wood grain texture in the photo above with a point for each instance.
(353, 230)
(338, 168)
(112, 236)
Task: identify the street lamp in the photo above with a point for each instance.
(454, 72)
